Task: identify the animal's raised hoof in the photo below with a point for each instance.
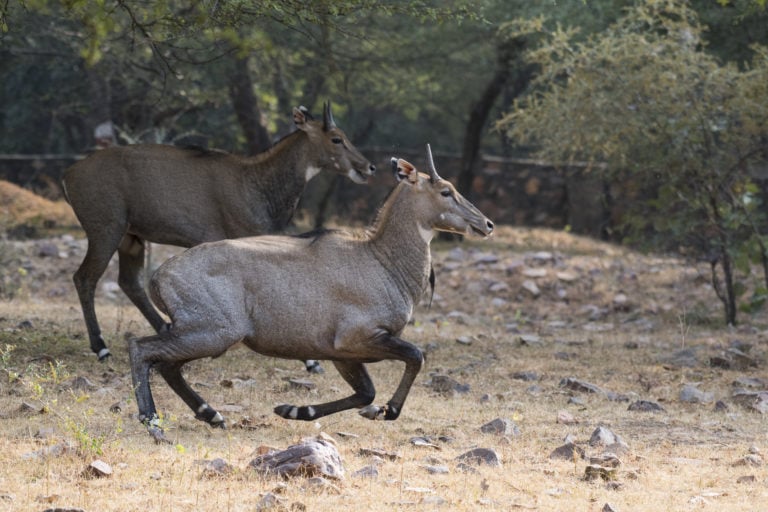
(219, 424)
(314, 367)
(158, 435)
(373, 412)
(104, 354)
(285, 410)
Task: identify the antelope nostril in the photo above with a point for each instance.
(489, 224)
(372, 168)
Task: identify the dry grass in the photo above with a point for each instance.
(682, 459)
(22, 208)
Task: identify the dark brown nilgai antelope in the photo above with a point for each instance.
(333, 295)
(126, 196)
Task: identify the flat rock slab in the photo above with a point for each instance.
(645, 406)
(312, 457)
(568, 451)
(575, 384)
(480, 456)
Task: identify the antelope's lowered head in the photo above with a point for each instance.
(440, 206)
(337, 153)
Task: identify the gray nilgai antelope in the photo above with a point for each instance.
(126, 196)
(331, 295)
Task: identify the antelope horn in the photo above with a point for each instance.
(433, 177)
(328, 121)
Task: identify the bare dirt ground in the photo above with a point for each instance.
(512, 319)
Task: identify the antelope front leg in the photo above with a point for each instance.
(356, 376)
(414, 359)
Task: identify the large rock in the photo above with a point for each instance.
(312, 457)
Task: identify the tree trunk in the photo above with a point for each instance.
(508, 53)
(246, 107)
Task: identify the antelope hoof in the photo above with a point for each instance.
(373, 412)
(104, 354)
(314, 367)
(158, 435)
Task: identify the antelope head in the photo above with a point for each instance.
(331, 148)
(440, 207)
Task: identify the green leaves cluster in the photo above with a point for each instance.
(681, 132)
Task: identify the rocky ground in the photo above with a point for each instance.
(587, 376)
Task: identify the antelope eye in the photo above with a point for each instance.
(446, 193)
(336, 140)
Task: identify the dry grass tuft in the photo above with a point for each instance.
(20, 208)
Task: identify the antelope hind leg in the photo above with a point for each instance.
(99, 252)
(356, 375)
(131, 256)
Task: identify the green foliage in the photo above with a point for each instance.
(680, 129)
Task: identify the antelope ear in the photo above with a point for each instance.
(300, 117)
(403, 170)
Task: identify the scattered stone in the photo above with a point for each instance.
(24, 325)
(621, 302)
(320, 484)
(236, 383)
(645, 406)
(631, 345)
(485, 258)
(529, 339)
(686, 357)
(595, 471)
(423, 441)
(56, 450)
(437, 470)
(47, 250)
(740, 361)
(607, 460)
(98, 469)
(480, 456)
(575, 400)
(721, 406)
(28, 409)
(347, 435)
(598, 327)
(750, 383)
(271, 502)
(692, 394)
(751, 400)
(81, 384)
(373, 452)
(564, 356)
(498, 286)
(370, 471)
(575, 384)
(446, 385)
(216, 468)
(501, 426)
(746, 479)
(432, 501)
(305, 384)
(531, 288)
(752, 459)
(60, 509)
(566, 418)
(613, 485)
(6, 497)
(44, 433)
(312, 457)
(230, 408)
(604, 437)
(464, 340)
(568, 451)
(117, 407)
(535, 272)
(608, 508)
(526, 376)
(567, 277)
